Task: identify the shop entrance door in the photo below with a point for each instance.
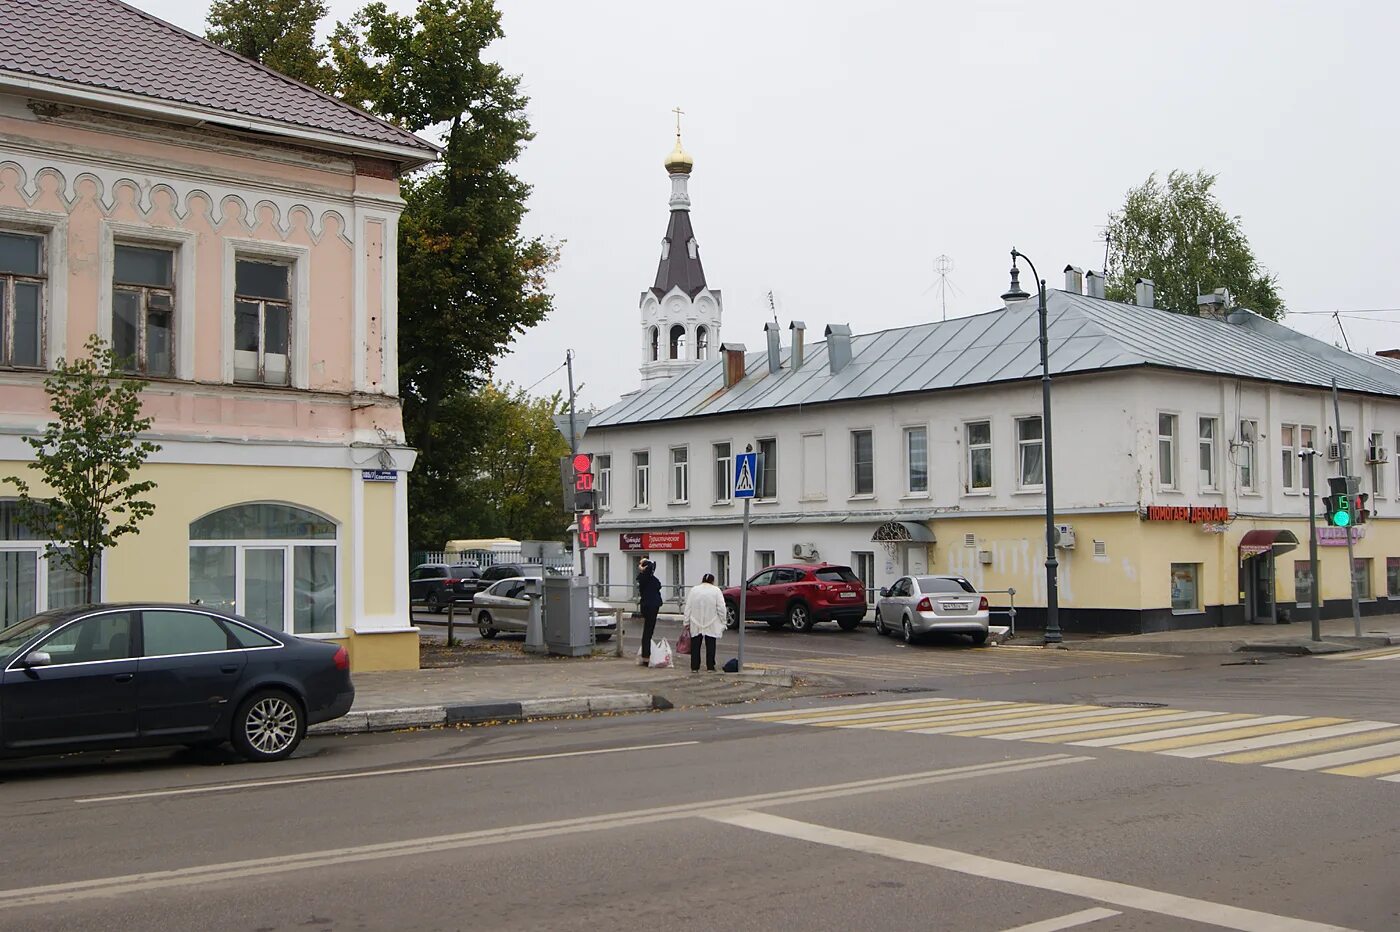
(1257, 581)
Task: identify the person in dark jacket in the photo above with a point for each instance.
(649, 588)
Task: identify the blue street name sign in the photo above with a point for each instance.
(745, 474)
(379, 475)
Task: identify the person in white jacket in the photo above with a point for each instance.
(705, 617)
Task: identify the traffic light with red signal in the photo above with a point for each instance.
(587, 530)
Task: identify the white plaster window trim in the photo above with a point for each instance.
(714, 464)
(867, 428)
(300, 263)
(1294, 460)
(1175, 487)
(54, 228)
(671, 470)
(969, 491)
(1016, 442)
(904, 433)
(1215, 487)
(186, 308)
(651, 480)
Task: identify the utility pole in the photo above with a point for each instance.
(1351, 558)
(1310, 456)
(573, 451)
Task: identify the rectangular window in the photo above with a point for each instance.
(1186, 590)
(1288, 457)
(720, 561)
(1392, 577)
(600, 575)
(1305, 442)
(916, 459)
(602, 465)
(1361, 577)
(765, 558)
(1249, 440)
(862, 462)
(1166, 450)
(676, 564)
(1207, 428)
(979, 456)
(863, 562)
(21, 300)
(767, 469)
(262, 322)
(1375, 451)
(641, 480)
(1302, 583)
(143, 310)
(724, 472)
(1347, 461)
(680, 474)
(1031, 453)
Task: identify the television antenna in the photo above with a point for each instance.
(772, 300)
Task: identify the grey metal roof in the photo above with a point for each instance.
(1086, 335)
(678, 268)
(107, 44)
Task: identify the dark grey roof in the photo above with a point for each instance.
(677, 268)
(107, 44)
(1086, 335)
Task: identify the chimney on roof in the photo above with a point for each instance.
(1389, 353)
(733, 354)
(799, 339)
(838, 346)
(1074, 279)
(775, 359)
(1093, 284)
(1144, 292)
(1215, 305)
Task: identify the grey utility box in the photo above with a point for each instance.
(566, 610)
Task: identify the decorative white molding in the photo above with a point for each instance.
(229, 451)
(300, 257)
(183, 243)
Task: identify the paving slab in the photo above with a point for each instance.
(1338, 634)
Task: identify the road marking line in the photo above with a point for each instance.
(1248, 731)
(1371, 768)
(323, 778)
(830, 715)
(213, 873)
(1230, 722)
(1337, 758)
(827, 710)
(1200, 718)
(1085, 721)
(1105, 891)
(1081, 918)
(1375, 653)
(1040, 718)
(1310, 747)
(969, 718)
(1148, 717)
(1269, 741)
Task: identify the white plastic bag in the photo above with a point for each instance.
(660, 654)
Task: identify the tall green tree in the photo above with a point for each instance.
(1178, 235)
(88, 457)
(280, 34)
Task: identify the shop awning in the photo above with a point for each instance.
(913, 532)
(1257, 542)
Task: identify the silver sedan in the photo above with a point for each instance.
(504, 607)
(919, 605)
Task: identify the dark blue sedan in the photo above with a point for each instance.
(148, 674)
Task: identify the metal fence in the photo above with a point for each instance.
(481, 559)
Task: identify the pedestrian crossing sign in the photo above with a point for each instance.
(745, 466)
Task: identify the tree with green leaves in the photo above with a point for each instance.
(280, 34)
(1178, 235)
(89, 456)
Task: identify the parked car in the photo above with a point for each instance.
(150, 674)
(801, 594)
(503, 607)
(437, 584)
(919, 605)
(511, 571)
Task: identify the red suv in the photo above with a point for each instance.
(801, 594)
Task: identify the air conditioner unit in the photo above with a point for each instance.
(805, 551)
(1064, 536)
(1377, 455)
(1336, 451)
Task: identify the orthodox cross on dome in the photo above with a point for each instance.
(678, 112)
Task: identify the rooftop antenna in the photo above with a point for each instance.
(1338, 318)
(772, 305)
(943, 265)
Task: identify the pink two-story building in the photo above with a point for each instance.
(232, 233)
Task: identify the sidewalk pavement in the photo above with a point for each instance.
(507, 685)
(1338, 634)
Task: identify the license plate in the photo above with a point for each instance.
(955, 606)
(848, 595)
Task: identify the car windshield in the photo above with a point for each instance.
(944, 584)
(837, 574)
(17, 635)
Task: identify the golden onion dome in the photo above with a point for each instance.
(679, 161)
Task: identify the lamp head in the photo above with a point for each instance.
(1015, 292)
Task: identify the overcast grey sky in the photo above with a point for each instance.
(839, 148)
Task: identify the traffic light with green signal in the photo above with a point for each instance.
(1343, 505)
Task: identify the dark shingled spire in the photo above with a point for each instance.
(678, 269)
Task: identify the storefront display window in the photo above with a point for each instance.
(1361, 577)
(1392, 576)
(1186, 587)
(1302, 583)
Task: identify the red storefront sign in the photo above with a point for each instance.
(651, 541)
(1193, 514)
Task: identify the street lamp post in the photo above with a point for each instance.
(1053, 635)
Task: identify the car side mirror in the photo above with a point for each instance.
(38, 658)
(885, 592)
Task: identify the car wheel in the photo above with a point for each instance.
(979, 639)
(484, 626)
(731, 615)
(800, 617)
(268, 726)
(908, 631)
(880, 628)
(432, 602)
(848, 624)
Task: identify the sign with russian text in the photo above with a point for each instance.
(651, 542)
(1337, 536)
(1191, 514)
(379, 475)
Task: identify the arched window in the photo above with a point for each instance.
(678, 341)
(30, 581)
(274, 564)
(655, 340)
(702, 342)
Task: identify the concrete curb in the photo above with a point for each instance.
(475, 712)
(1301, 645)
